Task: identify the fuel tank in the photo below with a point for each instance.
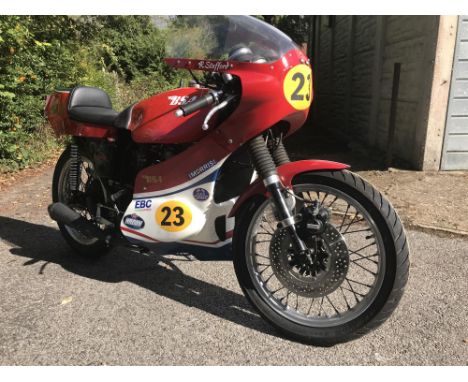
(154, 120)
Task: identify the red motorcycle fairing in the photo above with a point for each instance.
(154, 121)
(262, 105)
(287, 172)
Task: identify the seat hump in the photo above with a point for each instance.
(92, 105)
(89, 97)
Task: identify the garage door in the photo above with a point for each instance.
(455, 151)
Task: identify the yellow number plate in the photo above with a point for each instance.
(173, 216)
(297, 87)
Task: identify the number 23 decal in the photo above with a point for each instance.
(297, 87)
(173, 216)
(179, 216)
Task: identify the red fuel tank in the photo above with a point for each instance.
(154, 120)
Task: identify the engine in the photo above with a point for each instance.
(117, 163)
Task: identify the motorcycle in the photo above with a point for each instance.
(318, 251)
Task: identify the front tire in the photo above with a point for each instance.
(353, 300)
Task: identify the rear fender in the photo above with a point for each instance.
(286, 172)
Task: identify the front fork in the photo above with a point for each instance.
(265, 163)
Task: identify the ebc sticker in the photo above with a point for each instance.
(297, 87)
(201, 194)
(143, 204)
(134, 221)
(173, 216)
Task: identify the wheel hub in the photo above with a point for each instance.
(315, 273)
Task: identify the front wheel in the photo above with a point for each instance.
(352, 276)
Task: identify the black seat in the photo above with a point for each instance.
(93, 105)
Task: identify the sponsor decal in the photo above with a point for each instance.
(143, 204)
(201, 194)
(134, 221)
(173, 216)
(215, 66)
(152, 178)
(176, 100)
(202, 169)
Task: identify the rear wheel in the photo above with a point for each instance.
(351, 279)
(84, 200)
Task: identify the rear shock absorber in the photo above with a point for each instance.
(74, 168)
(266, 169)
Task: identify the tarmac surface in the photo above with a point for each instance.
(130, 309)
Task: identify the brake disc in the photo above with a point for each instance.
(313, 279)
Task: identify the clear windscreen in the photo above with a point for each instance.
(238, 38)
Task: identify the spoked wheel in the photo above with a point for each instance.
(351, 276)
(84, 200)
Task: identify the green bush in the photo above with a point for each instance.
(121, 54)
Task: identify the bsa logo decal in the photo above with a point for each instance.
(152, 178)
(201, 169)
(215, 66)
(201, 194)
(176, 100)
(134, 221)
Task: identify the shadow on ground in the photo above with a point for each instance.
(38, 243)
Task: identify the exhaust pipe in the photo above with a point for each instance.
(63, 214)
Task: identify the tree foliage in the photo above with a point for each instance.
(295, 26)
(122, 54)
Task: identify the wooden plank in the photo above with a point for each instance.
(463, 30)
(458, 107)
(460, 88)
(457, 125)
(462, 50)
(457, 143)
(460, 70)
(456, 161)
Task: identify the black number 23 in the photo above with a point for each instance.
(178, 219)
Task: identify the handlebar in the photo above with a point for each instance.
(211, 98)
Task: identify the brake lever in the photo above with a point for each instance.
(212, 112)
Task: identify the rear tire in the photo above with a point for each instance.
(84, 246)
(388, 291)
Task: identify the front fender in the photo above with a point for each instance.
(286, 172)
